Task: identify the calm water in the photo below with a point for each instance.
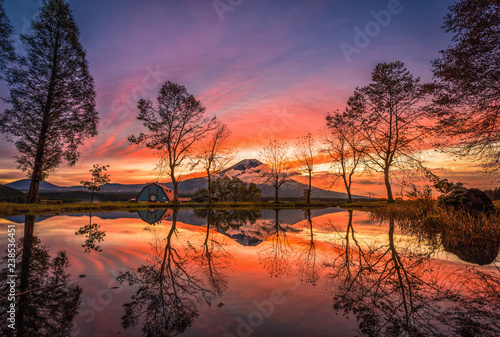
(246, 273)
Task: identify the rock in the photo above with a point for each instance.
(471, 200)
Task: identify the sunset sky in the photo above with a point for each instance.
(268, 69)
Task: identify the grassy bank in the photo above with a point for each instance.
(9, 209)
(401, 204)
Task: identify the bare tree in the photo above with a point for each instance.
(52, 96)
(216, 154)
(305, 152)
(276, 156)
(176, 123)
(345, 148)
(388, 117)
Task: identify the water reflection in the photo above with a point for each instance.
(275, 255)
(477, 248)
(393, 277)
(307, 265)
(178, 276)
(46, 301)
(395, 289)
(154, 216)
(93, 235)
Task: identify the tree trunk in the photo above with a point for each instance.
(310, 225)
(276, 197)
(209, 188)
(92, 197)
(36, 175)
(348, 189)
(309, 189)
(33, 192)
(176, 191)
(175, 183)
(388, 186)
(209, 223)
(28, 240)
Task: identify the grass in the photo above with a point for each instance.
(9, 209)
(474, 236)
(370, 205)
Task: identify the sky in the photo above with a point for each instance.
(268, 69)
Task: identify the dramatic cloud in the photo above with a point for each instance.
(270, 70)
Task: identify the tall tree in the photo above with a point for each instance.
(306, 150)
(52, 96)
(276, 156)
(7, 52)
(175, 124)
(468, 82)
(216, 154)
(99, 178)
(389, 115)
(345, 148)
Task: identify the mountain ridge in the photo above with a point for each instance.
(248, 170)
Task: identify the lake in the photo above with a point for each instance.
(328, 272)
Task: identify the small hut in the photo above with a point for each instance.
(155, 193)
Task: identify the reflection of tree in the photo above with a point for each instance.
(395, 290)
(226, 219)
(275, 255)
(175, 280)
(214, 260)
(308, 268)
(47, 302)
(93, 234)
(351, 261)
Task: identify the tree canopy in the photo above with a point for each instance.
(468, 82)
(388, 114)
(7, 52)
(52, 96)
(175, 123)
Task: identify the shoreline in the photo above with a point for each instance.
(12, 209)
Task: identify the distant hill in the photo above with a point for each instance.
(8, 194)
(248, 170)
(24, 185)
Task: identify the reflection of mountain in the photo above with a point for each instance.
(244, 239)
(255, 232)
(248, 170)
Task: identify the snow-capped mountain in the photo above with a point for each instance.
(248, 170)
